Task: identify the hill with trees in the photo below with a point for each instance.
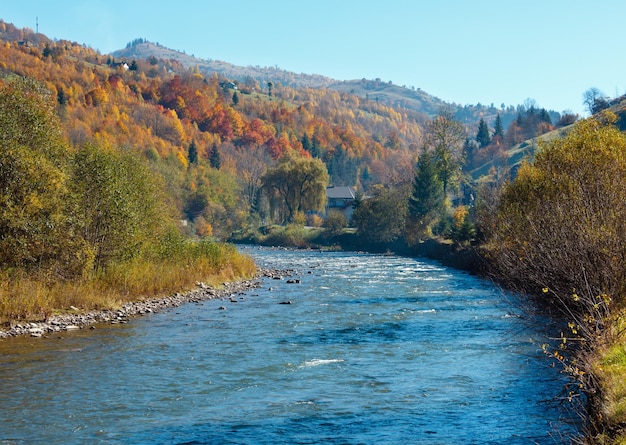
(380, 91)
(213, 138)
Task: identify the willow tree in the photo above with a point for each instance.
(297, 184)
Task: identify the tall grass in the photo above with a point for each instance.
(33, 297)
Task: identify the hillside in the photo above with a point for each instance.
(511, 158)
(390, 94)
(256, 78)
(146, 50)
(375, 90)
(161, 108)
(212, 136)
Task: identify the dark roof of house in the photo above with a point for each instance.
(340, 193)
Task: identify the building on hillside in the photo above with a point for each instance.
(123, 65)
(340, 199)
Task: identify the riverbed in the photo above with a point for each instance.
(350, 348)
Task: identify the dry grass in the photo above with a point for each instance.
(33, 298)
(610, 370)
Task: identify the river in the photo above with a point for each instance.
(356, 349)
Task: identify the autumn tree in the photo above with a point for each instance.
(33, 225)
(559, 233)
(251, 166)
(462, 230)
(335, 222)
(561, 224)
(299, 183)
(444, 136)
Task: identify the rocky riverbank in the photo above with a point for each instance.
(77, 319)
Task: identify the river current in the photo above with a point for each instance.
(357, 349)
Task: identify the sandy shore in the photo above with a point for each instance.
(81, 320)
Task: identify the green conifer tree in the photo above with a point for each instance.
(427, 196)
(215, 159)
(483, 136)
(192, 153)
(499, 130)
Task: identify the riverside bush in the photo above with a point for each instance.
(559, 232)
(561, 224)
(87, 227)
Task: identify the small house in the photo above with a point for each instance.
(340, 199)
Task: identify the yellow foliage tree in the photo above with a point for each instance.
(561, 224)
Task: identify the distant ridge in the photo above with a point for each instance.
(146, 50)
(390, 94)
(384, 92)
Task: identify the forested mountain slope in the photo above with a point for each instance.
(162, 109)
(213, 137)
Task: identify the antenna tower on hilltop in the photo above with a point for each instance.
(37, 25)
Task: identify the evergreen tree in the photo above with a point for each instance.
(192, 153)
(427, 196)
(235, 98)
(365, 175)
(61, 97)
(306, 143)
(215, 159)
(544, 116)
(483, 137)
(469, 149)
(316, 150)
(499, 130)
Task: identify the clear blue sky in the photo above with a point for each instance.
(466, 52)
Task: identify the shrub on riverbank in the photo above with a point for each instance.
(86, 226)
(291, 235)
(559, 233)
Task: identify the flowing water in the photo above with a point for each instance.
(373, 349)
